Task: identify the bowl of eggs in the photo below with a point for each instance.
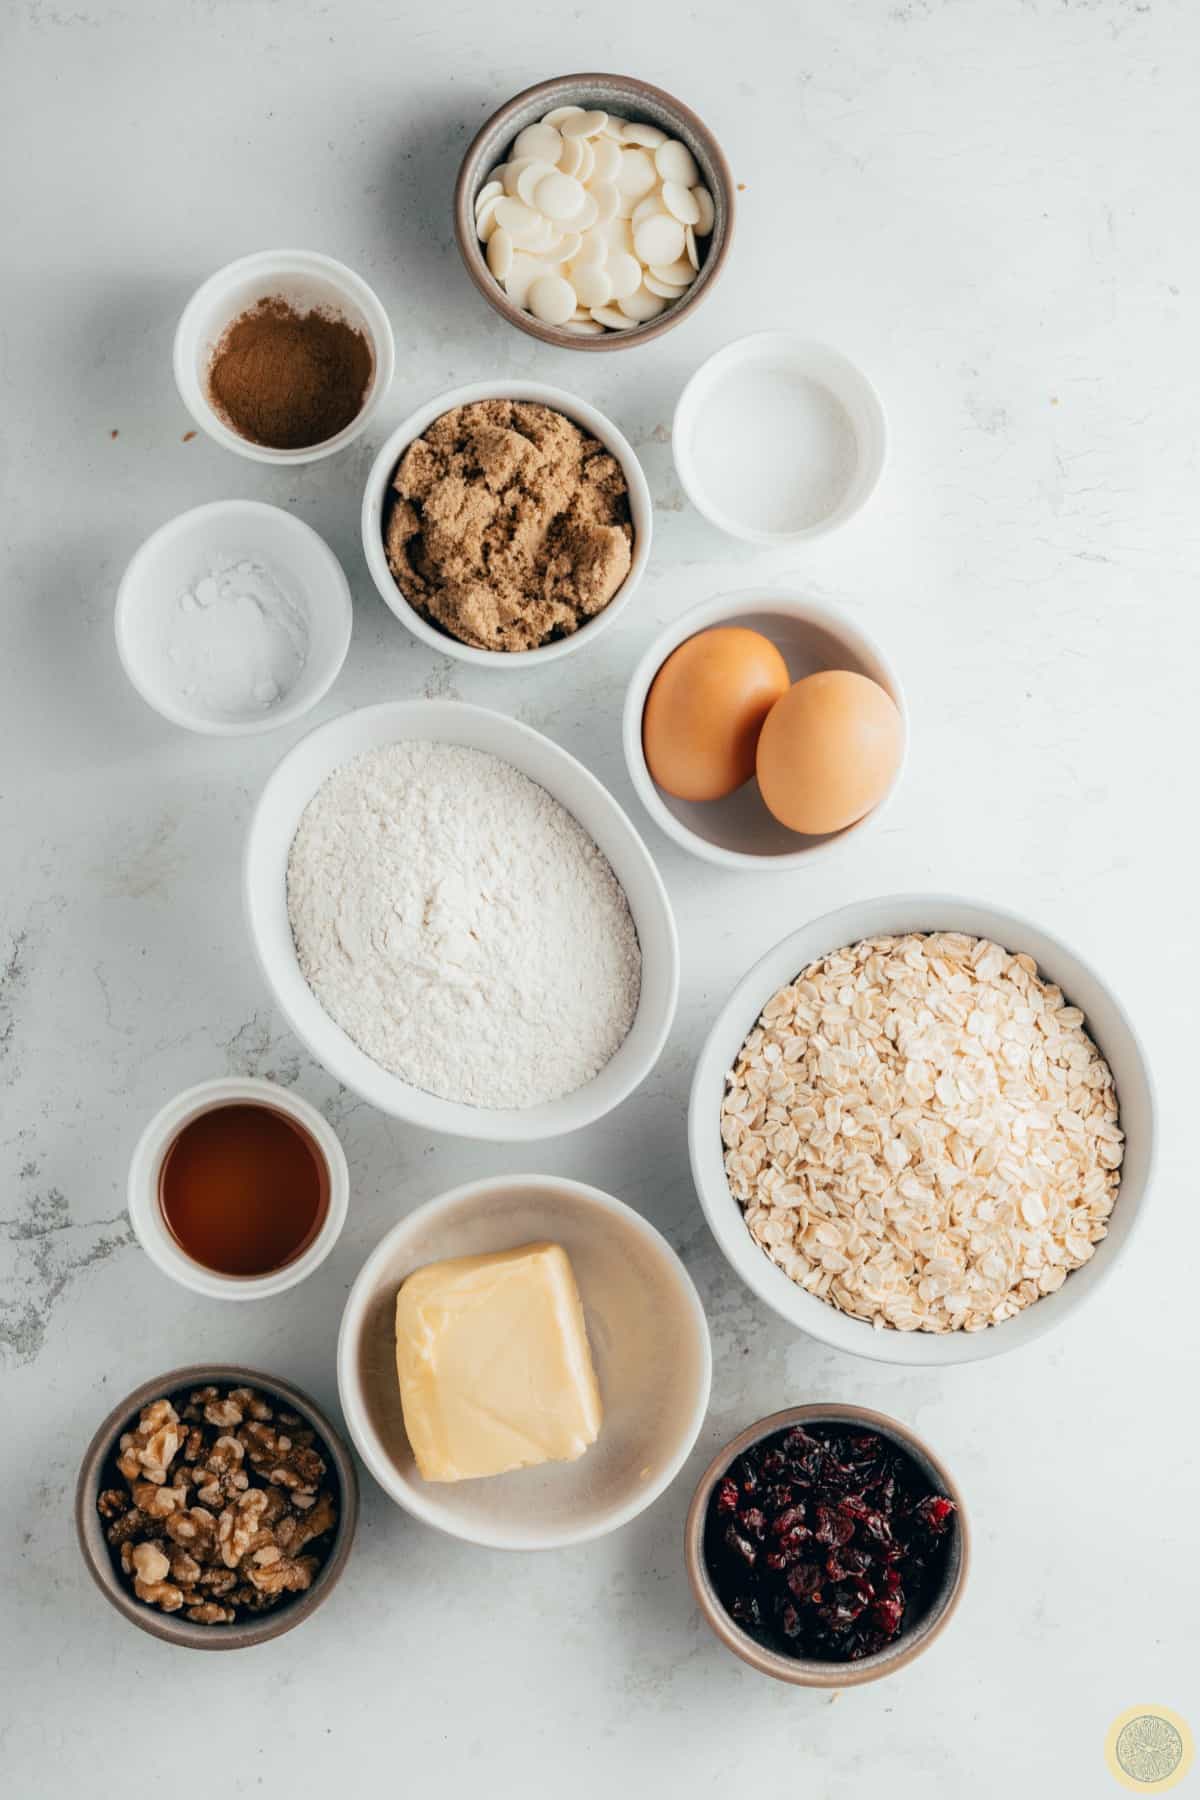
(763, 728)
(594, 211)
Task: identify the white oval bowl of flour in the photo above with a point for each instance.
(338, 898)
(233, 618)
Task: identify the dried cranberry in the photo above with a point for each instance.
(888, 1613)
(847, 1601)
(824, 1541)
(834, 1525)
(741, 1546)
(753, 1521)
(787, 1521)
(846, 1560)
(934, 1512)
(804, 1581)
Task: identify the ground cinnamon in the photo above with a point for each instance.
(289, 380)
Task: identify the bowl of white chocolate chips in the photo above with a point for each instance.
(594, 211)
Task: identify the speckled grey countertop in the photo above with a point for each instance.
(981, 202)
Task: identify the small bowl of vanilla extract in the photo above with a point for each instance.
(238, 1189)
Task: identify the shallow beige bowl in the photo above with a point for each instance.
(173, 1628)
(806, 1671)
(649, 1343)
(626, 98)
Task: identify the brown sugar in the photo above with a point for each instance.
(510, 526)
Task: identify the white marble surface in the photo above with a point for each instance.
(988, 203)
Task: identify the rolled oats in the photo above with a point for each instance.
(921, 1133)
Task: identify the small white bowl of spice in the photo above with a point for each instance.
(284, 356)
(233, 618)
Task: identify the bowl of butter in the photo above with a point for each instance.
(524, 1362)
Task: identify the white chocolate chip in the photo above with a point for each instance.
(559, 196)
(500, 253)
(708, 212)
(584, 124)
(524, 271)
(658, 239)
(571, 160)
(551, 299)
(606, 157)
(560, 113)
(636, 175)
(527, 180)
(625, 273)
(678, 274)
(608, 315)
(644, 209)
(542, 141)
(664, 288)
(675, 162)
(649, 136)
(682, 202)
(491, 190)
(689, 244)
(585, 328)
(518, 219)
(485, 218)
(642, 305)
(593, 284)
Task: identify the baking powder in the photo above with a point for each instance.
(461, 927)
(234, 642)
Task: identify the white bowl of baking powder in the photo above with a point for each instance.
(273, 829)
(233, 618)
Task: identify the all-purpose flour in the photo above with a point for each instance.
(461, 927)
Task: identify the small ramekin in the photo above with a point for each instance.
(781, 354)
(625, 97)
(179, 552)
(738, 832)
(806, 1671)
(174, 1628)
(588, 419)
(306, 279)
(145, 1212)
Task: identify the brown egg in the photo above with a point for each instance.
(706, 708)
(828, 751)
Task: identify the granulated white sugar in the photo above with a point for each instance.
(773, 448)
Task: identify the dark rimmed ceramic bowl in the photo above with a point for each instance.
(627, 98)
(172, 1627)
(807, 1671)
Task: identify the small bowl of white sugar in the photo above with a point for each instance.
(233, 618)
(778, 439)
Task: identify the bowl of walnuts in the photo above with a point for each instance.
(216, 1507)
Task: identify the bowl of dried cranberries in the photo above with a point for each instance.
(826, 1546)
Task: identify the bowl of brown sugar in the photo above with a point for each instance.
(506, 523)
(284, 356)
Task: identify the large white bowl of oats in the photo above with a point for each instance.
(922, 1129)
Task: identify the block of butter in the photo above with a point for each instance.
(494, 1365)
